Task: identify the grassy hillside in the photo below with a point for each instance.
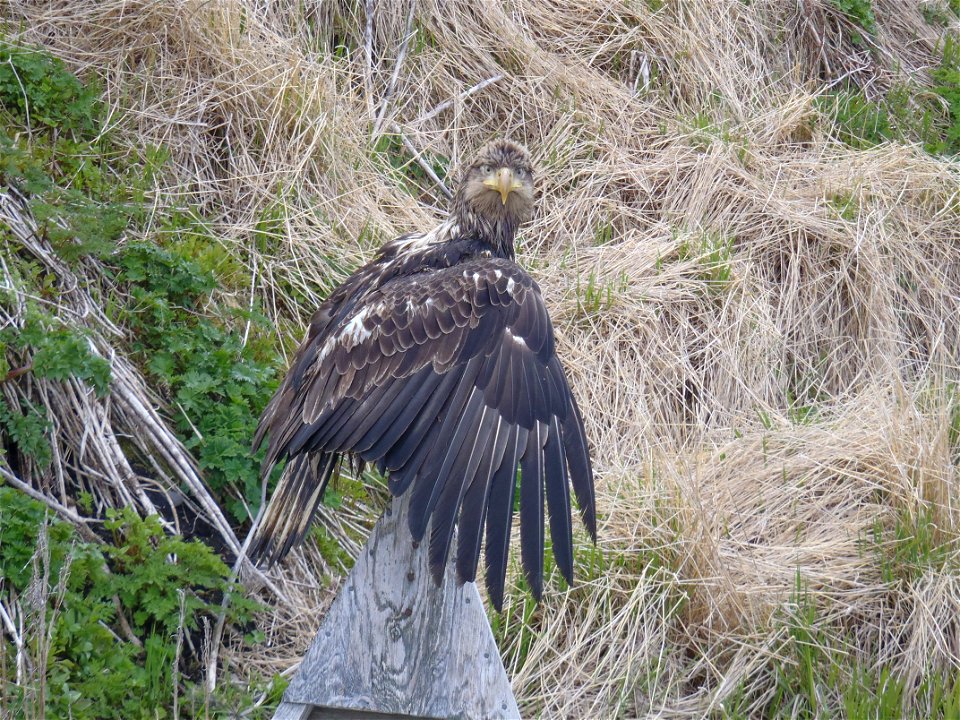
(747, 236)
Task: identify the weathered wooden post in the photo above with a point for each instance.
(394, 645)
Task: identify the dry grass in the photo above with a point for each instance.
(762, 324)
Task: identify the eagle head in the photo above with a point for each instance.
(497, 189)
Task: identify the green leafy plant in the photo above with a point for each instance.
(148, 582)
(860, 12)
(59, 352)
(217, 384)
(107, 620)
(79, 209)
(947, 77)
(26, 428)
(83, 190)
(907, 113)
(103, 618)
(85, 195)
(857, 121)
(40, 89)
(52, 351)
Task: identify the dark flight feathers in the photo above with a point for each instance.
(441, 371)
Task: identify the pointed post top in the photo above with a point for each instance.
(394, 645)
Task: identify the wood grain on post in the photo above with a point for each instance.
(394, 645)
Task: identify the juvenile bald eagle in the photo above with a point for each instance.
(436, 362)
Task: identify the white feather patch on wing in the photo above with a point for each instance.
(519, 341)
(355, 331)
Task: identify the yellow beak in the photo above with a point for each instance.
(503, 182)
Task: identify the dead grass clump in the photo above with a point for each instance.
(761, 323)
(838, 531)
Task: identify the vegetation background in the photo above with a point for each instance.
(747, 236)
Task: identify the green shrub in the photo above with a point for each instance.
(113, 622)
(39, 89)
(52, 351)
(58, 352)
(857, 121)
(148, 583)
(26, 427)
(94, 669)
(860, 12)
(217, 384)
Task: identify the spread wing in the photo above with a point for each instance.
(449, 381)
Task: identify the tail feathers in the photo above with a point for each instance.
(290, 511)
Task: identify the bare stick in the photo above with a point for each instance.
(17, 640)
(61, 510)
(181, 595)
(254, 272)
(225, 603)
(462, 96)
(122, 619)
(401, 55)
(368, 55)
(421, 162)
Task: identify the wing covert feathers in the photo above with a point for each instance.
(448, 379)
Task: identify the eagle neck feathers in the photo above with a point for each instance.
(498, 233)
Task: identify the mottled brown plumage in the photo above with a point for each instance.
(436, 362)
